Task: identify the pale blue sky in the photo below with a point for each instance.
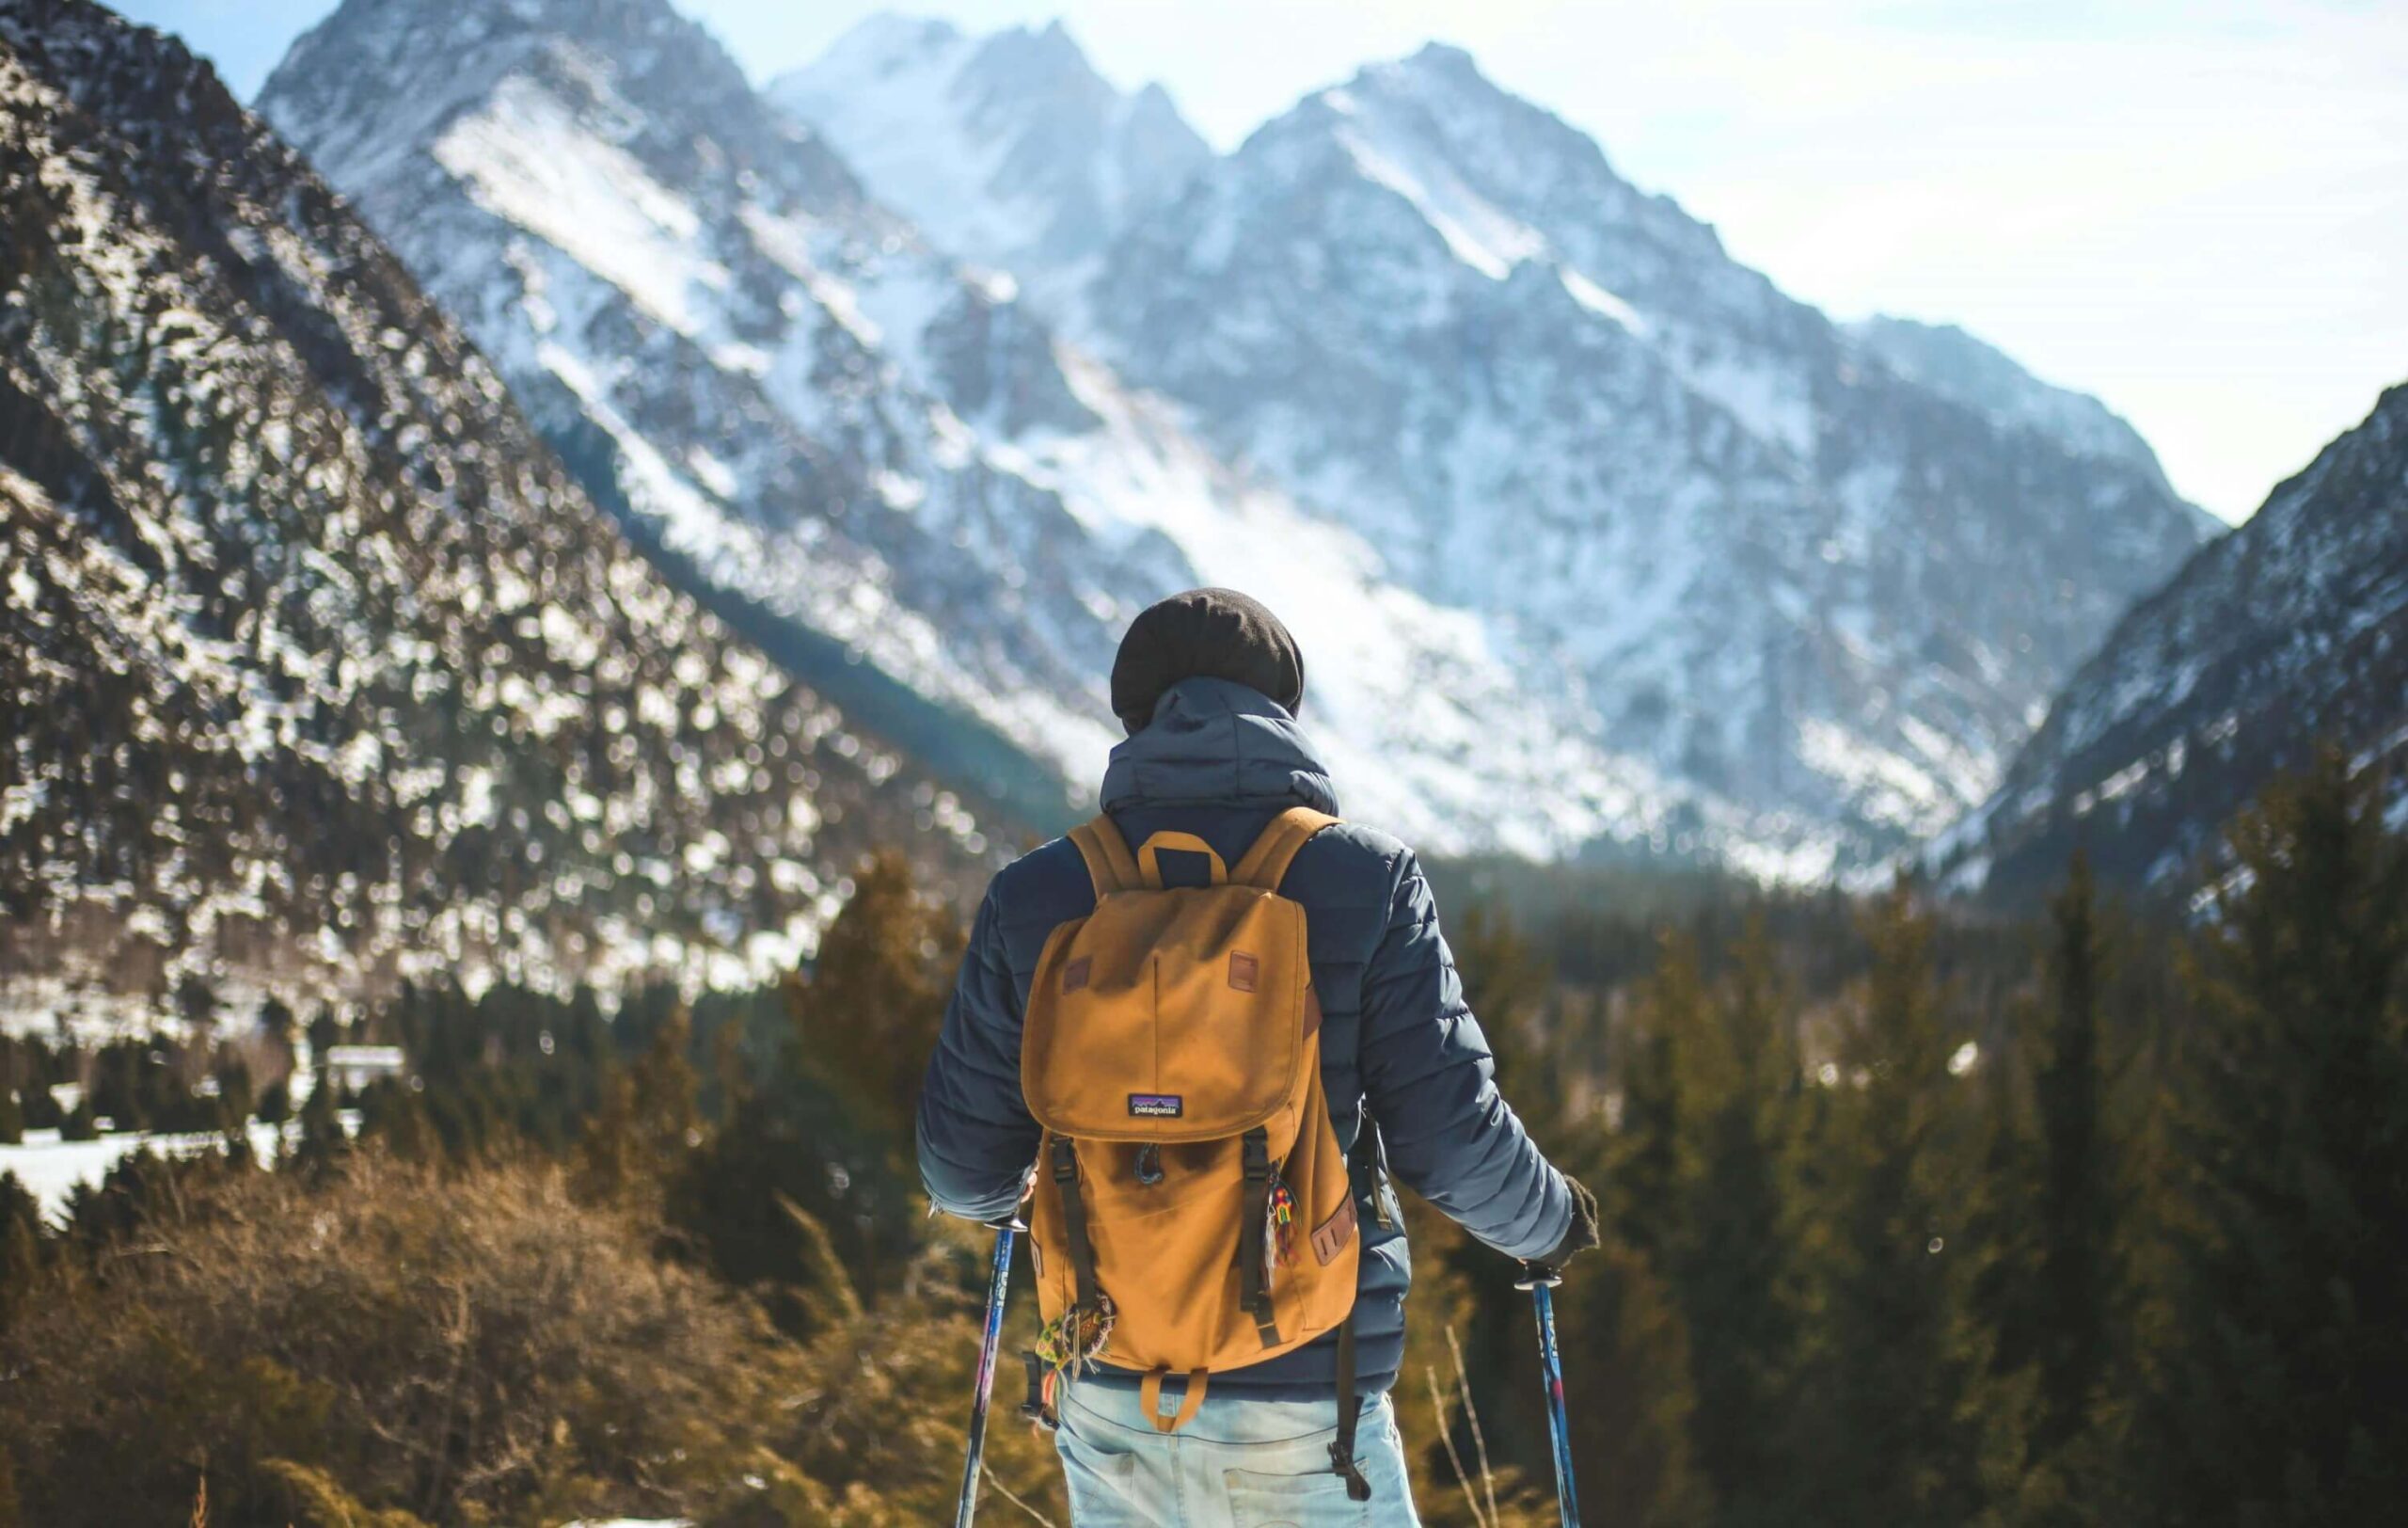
(2196, 209)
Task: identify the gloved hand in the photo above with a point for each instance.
(1582, 1234)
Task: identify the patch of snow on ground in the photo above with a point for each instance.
(53, 1168)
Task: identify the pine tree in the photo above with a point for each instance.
(781, 1202)
(277, 1023)
(1623, 1344)
(400, 1117)
(324, 1141)
(2277, 1397)
(650, 1119)
(2077, 1281)
(866, 1016)
(326, 1032)
(17, 1074)
(1648, 1165)
(1901, 1435)
(1511, 990)
(1632, 1409)
(1736, 1264)
(234, 1095)
(20, 1250)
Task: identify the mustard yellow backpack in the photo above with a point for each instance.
(1193, 1212)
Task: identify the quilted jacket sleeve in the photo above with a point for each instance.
(976, 1139)
(1432, 1084)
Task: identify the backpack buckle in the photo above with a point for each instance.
(1150, 1164)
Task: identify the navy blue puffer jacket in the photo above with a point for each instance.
(1220, 760)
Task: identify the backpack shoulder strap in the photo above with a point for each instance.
(1266, 864)
(1107, 855)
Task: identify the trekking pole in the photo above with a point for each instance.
(998, 1281)
(1541, 1280)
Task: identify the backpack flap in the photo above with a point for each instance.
(1171, 1016)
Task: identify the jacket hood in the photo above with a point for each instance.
(1212, 743)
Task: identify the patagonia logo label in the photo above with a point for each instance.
(1157, 1106)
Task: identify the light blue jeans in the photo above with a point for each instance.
(1239, 1464)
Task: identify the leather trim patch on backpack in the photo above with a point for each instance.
(1331, 1236)
(1074, 975)
(1246, 971)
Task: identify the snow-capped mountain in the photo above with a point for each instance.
(316, 669)
(1823, 580)
(1772, 566)
(1009, 151)
(1593, 535)
(2290, 631)
(837, 432)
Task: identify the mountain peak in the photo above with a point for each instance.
(1438, 73)
(1445, 58)
(1039, 60)
(634, 78)
(1009, 149)
(888, 38)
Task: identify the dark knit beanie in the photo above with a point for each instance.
(1204, 633)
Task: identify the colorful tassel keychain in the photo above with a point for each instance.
(1076, 1338)
(1278, 1228)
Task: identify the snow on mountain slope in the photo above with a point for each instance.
(1771, 566)
(836, 428)
(319, 672)
(1956, 365)
(1008, 149)
(2290, 631)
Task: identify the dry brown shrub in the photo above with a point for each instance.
(467, 1348)
(397, 1345)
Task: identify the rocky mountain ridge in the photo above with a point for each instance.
(319, 672)
(2289, 634)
